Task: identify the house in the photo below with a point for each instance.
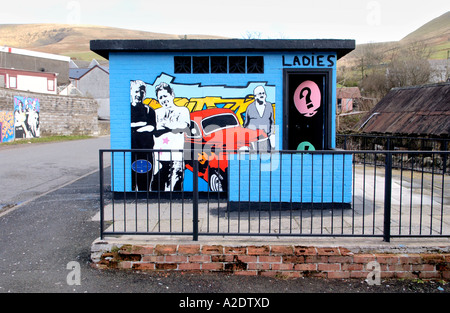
(38, 62)
(92, 81)
(345, 98)
(237, 94)
(411, 111)
(42, 82)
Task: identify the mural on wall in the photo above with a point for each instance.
(7, 126)
(172, 116)
(26, 117)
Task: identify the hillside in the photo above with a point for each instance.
(71, 40)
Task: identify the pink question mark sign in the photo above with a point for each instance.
(307, 98)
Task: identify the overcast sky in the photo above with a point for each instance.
(362, 20)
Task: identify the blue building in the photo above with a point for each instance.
(260, 96)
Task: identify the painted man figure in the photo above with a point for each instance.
(171, 123)
(142, 127)
(259, 115)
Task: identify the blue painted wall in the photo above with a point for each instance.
(149, 67)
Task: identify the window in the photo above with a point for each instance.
(182, 65)
(12, 81)
(218, 64)
(200, 65)
(255, 65)
(50, 85)
(237, 64)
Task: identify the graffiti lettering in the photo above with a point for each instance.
(309, 60)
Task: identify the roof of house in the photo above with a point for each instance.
(420, 110)
(340, 46)
(77, 73)
(348, 93)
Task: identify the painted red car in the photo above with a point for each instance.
(215, 131)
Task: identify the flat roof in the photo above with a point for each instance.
(340, 46)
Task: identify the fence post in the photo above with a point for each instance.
(195, 195)
(387, 197)
(101, 192)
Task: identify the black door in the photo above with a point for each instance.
(307, 113)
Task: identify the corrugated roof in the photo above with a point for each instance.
(422, 110)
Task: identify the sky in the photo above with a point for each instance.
(362, 20)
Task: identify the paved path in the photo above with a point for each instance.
(30, 170)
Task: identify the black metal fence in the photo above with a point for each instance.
(334, 193)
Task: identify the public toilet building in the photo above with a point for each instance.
(260, 112)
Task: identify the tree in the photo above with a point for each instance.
(409, 66)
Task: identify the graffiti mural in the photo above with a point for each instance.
(26, 117)
(7, 126)
(172, 116)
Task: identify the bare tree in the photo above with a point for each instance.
(409, 66)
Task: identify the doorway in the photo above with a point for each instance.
(307, 109)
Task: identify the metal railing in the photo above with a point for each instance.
(334, 193)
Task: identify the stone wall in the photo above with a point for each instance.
(58, 115)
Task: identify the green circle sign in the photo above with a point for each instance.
(305, 146)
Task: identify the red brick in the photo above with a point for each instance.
(189, 249)
(316, 259)
(352, 267)
(363, 258)
(166, 266)
(212, 266)
(305, 267)
(422, 267)
(189, 266)
(143, 250)
(328, 251)
(407, 275)
(271, 258)
(338, 275)
(430, 275)
(410, 259)
(328, 267)
(214, 249)
(144, 266)
(282, 267)
(358, 274)
(340, 259)
(125, 265)
(258, 250)
(165, 249)
(432, 258)
(235, 250)
(176, 258)
(200, 258)
(399, 267)
(153, 258)
(299, 250)
(293, 259)
(281, 250)
(259, 266)
(387, 258)
(222, 258)
(246, 258)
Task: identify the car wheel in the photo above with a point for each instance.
(216, 182)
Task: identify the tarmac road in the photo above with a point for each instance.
(40, 236)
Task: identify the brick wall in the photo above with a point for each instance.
(270, 260)
(59, 115)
